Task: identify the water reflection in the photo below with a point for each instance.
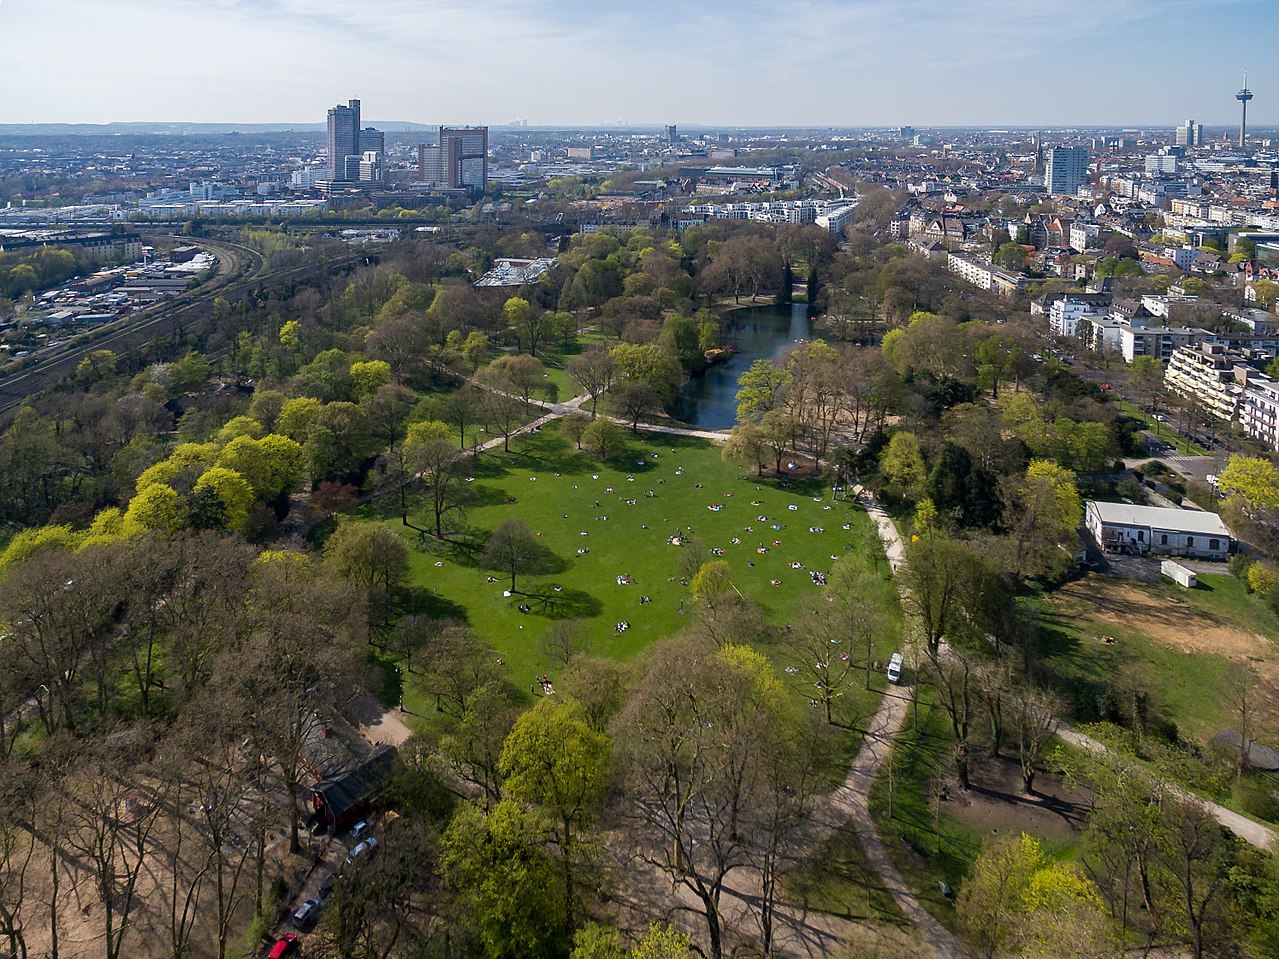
(710, 400)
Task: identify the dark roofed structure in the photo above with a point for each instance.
(340, 800)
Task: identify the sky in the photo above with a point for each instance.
(591, 62)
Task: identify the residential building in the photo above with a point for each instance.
(1161, 163)
(1127, 528)
(1067, 170)
(1212, 374)
(1259, 411)
(1065, 313)
(344, 138)
(1158, 341)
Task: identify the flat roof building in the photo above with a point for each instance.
(1129, 528)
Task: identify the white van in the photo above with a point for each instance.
(895, 668)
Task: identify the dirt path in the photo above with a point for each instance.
(851, 801)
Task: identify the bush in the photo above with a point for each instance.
(1255, 794)
(1239, 566)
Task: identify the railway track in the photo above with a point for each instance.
(245, 273)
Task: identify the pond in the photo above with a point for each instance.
(709, 400)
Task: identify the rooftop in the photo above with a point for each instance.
(1160, 517)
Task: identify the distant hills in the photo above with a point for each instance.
(189, 129)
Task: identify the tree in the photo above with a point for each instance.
(271, 465)
(233, 492)
(555, 761)
(475, 349)
(902, 464)
(648, 363)
(1034, 725)
(157, 508)
(574, 426)
(593, 372)
(526, 373)
(634, 399)
(696, 742)
(368, 376)
(431, 457)
(1018, 902)
(502, 405)
(513, 548)
(507, 884)
(602, 438)
(746, 447)
(760, 390)
(1042, 514)
(528, 324)
(370, 557)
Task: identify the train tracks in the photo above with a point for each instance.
(246, 270)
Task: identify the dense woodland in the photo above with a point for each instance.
(185, 607)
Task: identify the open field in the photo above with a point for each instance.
(1180, 646)
(624, 515)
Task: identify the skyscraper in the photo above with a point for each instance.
(344, 137)
(459, 162)
(1190, 134)
(1067, 170)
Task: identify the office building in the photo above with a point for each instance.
(671, 133)
(458, 162)
(344, 138)
(1190, 134)
(1067, 170)
(372, 141)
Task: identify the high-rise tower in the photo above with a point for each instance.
(344, 138)
(1243, 96)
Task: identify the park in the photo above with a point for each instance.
(611, 535)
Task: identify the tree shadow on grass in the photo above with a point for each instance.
(424, 601)
(564, 604)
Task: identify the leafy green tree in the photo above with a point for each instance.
(271, 465)
(603, 438)
(158, 508)
(233, 493)
(97, 365)
(430, 455)
(1017, 901)
(367, 376)
(508, 884)
(746, 446)
(554, 761)
(760, 390)
(370, 557)
(648, 363)
(902, 464)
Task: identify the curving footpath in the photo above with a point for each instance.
(851, 801)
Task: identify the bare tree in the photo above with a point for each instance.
(1035, 722)
(593, 372)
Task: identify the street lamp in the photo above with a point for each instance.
(399, 675)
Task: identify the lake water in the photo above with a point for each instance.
(710, 400)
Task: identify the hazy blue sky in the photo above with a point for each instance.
(820, 62)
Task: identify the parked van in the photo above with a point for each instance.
(895, 668)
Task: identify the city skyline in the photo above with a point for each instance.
(756, 63)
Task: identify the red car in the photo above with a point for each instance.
(286, 945)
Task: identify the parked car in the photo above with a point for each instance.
(363, 849)
(895, 668)
(326, 887)
(286, 945)
(358, 828)
(305, 913)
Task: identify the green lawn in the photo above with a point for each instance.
(555, 353)
(556, 489)
(1186, 688)
(1164, 431)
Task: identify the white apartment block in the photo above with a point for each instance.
(1259, 411)
(1064, 315)
(1212, 375)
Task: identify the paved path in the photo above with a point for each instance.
(1246, 829)
(851, 801)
